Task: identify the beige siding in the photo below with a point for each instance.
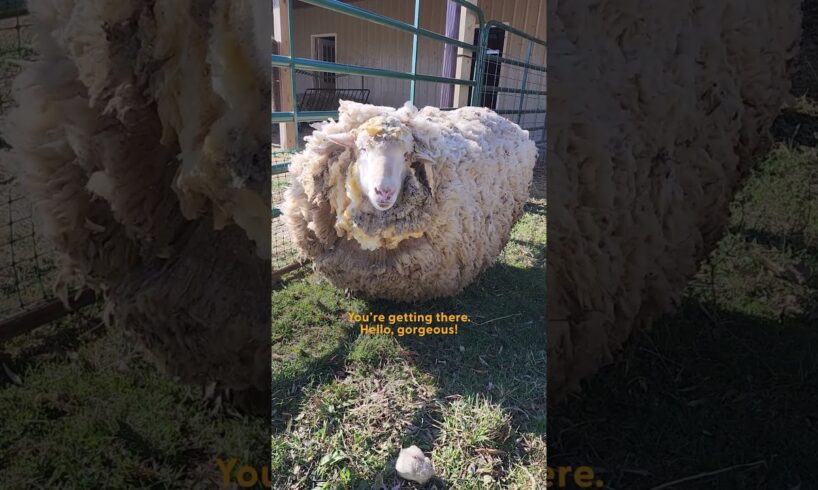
(372, 45)
(368, 44)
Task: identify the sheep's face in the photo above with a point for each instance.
(383, 150)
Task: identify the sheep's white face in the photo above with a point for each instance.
(383, 147)
(381, 170)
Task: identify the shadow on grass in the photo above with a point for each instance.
(796, 128)
(318, 358)
(54, 340)
(707, 389)
(778, 241)
(486, 384)
(499, 356)
(507, 332)
(535, 207)
(507, 308)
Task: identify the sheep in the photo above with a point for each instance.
(141, 134)
(406, 204)
(645, 156)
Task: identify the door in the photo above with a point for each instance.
(324, 50)
(491, 68)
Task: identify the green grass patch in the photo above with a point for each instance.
(101, 415)
(474, 402)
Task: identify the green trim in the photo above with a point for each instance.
(280, 168)
(413, 82)
(307, 116)
(317, 65)
(507, 90)
(512, 111)
(509, 61)
(500, 25)
(525, 79)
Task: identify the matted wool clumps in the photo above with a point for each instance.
(141, 134)
(667, 105)
(450, 222)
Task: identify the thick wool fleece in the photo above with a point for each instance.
(434, 242)
(141, 133)
(666, 106)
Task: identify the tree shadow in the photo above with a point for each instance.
(706, 389)
(796, 128)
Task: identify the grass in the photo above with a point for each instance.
(345, 403)
(82, 406)
(88, 410)
(728, 383)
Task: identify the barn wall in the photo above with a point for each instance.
(367, 44)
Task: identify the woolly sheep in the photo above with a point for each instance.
(465, 178)
(664, 111)
(141, 133)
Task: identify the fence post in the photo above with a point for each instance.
(483, 40)
(525, 79)
(463, 68)
(449, 53)
(286, 87)
(414, 52)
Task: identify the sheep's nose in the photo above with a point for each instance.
(384, 192)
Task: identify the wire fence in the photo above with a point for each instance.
(283, 251)
(27, 264)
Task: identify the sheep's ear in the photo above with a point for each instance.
(430, 175)
(343, 139)
(424, 166)
(423, 155)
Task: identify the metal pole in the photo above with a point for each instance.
(449, 53)
(525, 79)
(316, 65)
(292, 72)
(483, 40)
(414, 52)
